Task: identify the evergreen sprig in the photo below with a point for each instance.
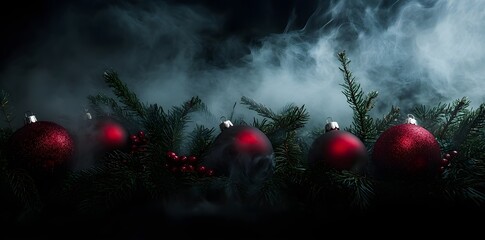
(470, 127)
(259, 108)
(121, 90)
(430, 117)
(103, 105)
(166, 128)
(287, 154)
(454, 112)
(177, 120)
(465, 180)
(360, 187)
(201, 140)
(361, 104)
(107, 186)
(24, 189)
(388, 120)
(290, 118)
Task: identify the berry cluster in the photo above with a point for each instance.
(447, 158)
(138, 142)
(186, 164)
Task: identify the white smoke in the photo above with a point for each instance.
(412, 52)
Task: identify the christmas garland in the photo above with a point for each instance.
(158, 163)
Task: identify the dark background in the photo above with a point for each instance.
(53, 54)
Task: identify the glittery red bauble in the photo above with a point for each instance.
(41, 145)
(407, 150)
(338, 149)
(111, 135)
(242, 152)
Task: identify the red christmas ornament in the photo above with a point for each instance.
(242, 152)
(40, 146)
(111, 135)
(337, 149)
(407, 151)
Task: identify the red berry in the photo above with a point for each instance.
(454, 153)
(190, 168)
(183, 159)
(133, 137)
(442, 169)
(141, 134)
(192, 159)
(175, 158)
(184, 168)
(445, 162)
(170, 154)
(447, 156)
(210, 172)
(201, 169)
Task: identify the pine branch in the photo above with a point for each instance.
(99, 100)
(177, 120)
(369, 101)
(24, 188)
(155, 125)
(287, 154)
(292, 118)
(259, 108)
(102, 188)
(360, 104)
(360, 187)
(430, 118)
(201, 140)
(470, 127)
(465, 180)
(4, 105)
(262, 125)
(154, 121)
(127, 97)
(166, 128)
(454, 111)
(382, 124)
(269, 193)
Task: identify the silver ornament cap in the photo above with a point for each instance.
(411, 120)
(225, 124)
(29, 118)
(87, 115)
(331, 125)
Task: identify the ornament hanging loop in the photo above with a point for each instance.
(331, 125)
(225, 124)
(411, 120)
(29, 118)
